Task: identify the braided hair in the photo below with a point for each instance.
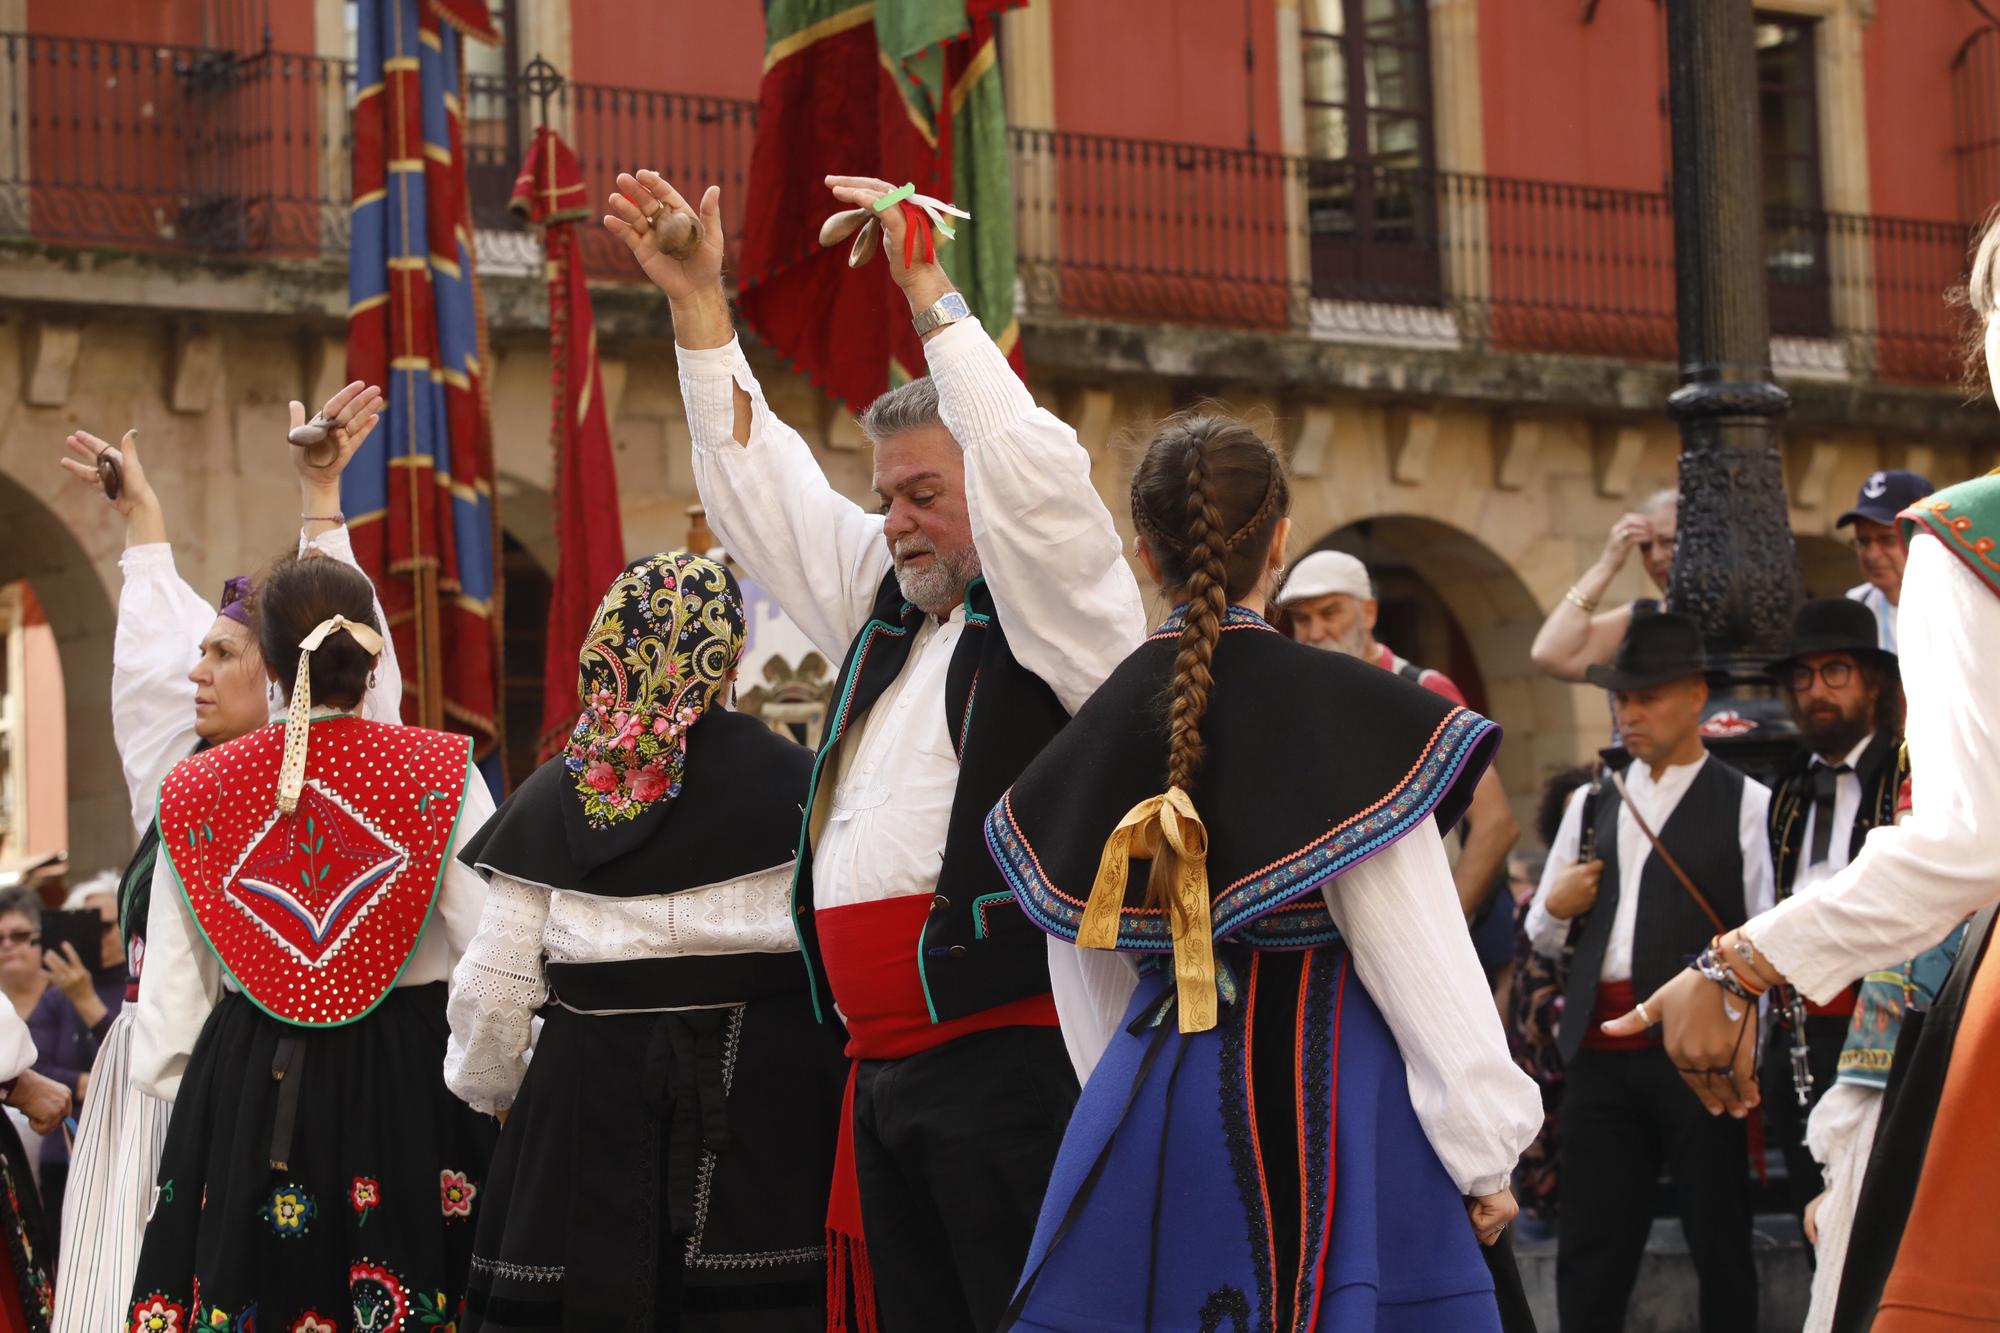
(1208, 496)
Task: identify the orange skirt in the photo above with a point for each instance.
(1945, 1276)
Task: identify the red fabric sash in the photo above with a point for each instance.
(870, 953)
(1615, 999)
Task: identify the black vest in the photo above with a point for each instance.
(978, 950)
(1881, 770)
(1670, 928)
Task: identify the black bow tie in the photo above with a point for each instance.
(1826, 782)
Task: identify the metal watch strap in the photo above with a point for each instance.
(949, 309)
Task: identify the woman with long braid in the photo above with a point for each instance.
(1297, 1087)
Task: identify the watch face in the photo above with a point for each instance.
(953, 306)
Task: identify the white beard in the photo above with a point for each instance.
(1354, 643)
(938, 586)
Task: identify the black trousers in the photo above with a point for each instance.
(1784, 1119)
(1625, 1115)
(953, 1148)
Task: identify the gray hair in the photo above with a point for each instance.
(24, 901)
(1668, 498)
(906, 407)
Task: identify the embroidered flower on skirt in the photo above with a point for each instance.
(380, 1304)
(157, 1314)
(658, 654)
(219, 1320)
(435, 1311)
(313, 1322)
(455, 1193)
(365, 1194)
(289, 1210)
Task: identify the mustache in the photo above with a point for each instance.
(906, 547)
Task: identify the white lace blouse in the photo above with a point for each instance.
(502, 979)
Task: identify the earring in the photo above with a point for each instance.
(371, 680)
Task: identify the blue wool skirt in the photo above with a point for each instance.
(1269, 1174)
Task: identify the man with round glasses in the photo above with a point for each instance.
(1847, 701)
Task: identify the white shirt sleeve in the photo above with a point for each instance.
(496, 988)
(182, 983)
(462, 890)
(1547, 933)
(769, 504)
(1753, 835)
(1399, 914)
(1050, 552)
(1914, 881)
(384, 700)
(1091, 987)
(161, 621)
(17, 1045)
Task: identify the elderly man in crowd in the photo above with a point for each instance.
(984, 599)
(1329, 602)
(1879, 548)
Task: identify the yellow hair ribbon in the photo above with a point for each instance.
(1168, 818)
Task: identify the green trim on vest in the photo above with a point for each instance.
(1966, 518)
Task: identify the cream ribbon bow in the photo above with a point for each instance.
(298, 719)
(1168, 818)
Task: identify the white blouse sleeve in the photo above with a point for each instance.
(496, 988)
(17, 1045)
(1400, 917)
(180, 984)
(161, 621)
(1092, 987)
(1914, 881)
(384, 700)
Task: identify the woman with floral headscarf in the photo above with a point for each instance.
(666, 1157)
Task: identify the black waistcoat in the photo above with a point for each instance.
(1880, 770)
(1670, 928)
(978, 949)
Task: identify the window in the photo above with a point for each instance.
(1371, 200)
(1795, 253)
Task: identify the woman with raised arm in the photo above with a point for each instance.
(667, 1154)
(306, 912)
(184, 676)
(1293, 1113)
(1925, 1230)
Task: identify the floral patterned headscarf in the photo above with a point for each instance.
(658, 656)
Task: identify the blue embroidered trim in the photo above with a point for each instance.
(1239, 617)
(1269, 909)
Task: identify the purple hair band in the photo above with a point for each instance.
(236, 599)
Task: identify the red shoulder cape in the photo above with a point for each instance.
(315, 913)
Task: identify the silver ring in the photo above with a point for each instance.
(1640, 1009)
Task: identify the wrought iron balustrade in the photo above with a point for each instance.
(151, 147)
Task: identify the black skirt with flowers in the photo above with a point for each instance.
(342, 1196)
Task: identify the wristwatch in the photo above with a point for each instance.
(950, 309)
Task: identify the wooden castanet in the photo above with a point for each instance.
(677, 234)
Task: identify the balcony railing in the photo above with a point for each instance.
(148, 147)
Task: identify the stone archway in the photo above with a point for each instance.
(37, 546)
(1475, 617)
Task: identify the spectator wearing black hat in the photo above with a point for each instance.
(1679, 854)
(1878, 545)
(1847, 702)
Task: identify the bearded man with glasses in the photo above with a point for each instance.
(1846, 699)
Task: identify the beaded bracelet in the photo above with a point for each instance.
(1710, 964)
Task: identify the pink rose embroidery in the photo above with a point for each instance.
(601, 776)
(648, 784)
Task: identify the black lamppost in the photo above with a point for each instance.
(1735, 568)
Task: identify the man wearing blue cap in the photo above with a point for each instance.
(1878, 546)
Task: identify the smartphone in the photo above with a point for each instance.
(82, 931)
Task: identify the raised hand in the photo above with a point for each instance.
(134, 492)
(924, 281)
(354, 412)
(639, 200)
